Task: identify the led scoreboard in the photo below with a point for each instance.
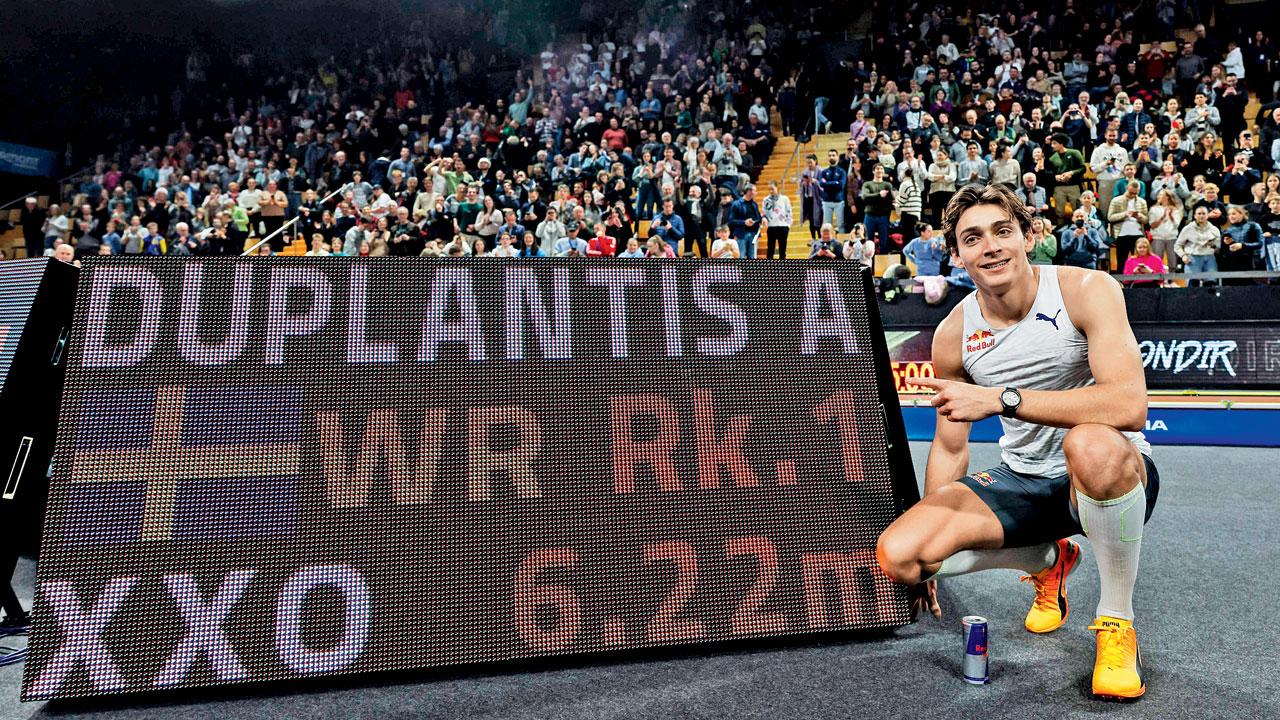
(279, 468)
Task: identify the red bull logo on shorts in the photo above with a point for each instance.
(984, 479)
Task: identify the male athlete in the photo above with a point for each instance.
(1049, 349)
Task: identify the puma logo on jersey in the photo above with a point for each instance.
(1051, 320)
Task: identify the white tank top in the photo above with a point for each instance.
(1043, 351)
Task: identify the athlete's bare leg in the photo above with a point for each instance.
(1103, 464)
(944, 522)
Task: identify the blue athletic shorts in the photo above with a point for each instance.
(1037, 508)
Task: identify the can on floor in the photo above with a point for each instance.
(975, 650)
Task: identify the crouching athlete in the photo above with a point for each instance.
(1050, 350)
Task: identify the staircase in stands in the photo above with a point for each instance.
(788, 178)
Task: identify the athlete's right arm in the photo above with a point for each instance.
(949, 453)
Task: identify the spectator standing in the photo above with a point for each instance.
(831, 183)
(1165, 218)
(1068, 172)
(972, 170)
(1127, 214)
(87, 243)
(1143, 262)
(1201, 118)
(668, 224)
(877, 201)
(776, 210)
(1230, 104)
(745, 221)
(1171, 180)
(1044, 246)
(1004, 169)
(1207, 159)
(1210, 202)
(908, 203)
(942, 184)
(1198, 244)
(811, 209)
(1241, 244)
(249, 199)
(1270, 222)
(1237, 184)
(31, 219)
(1107, 162)
(550, 230)
(56, 228)
(1080, 243)
(1187, 71)
(926, 252)
(694, 210)
(273, 203)
(1032, 195)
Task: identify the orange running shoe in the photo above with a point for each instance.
(1117, 673)
(1050, 609)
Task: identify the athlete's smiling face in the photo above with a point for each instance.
(991, 246)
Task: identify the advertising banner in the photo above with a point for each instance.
(26, 160)
(1176, 356)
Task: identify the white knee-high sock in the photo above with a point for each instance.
(1114, 528)
(1031, 559)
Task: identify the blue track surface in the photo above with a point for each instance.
(1165, 426)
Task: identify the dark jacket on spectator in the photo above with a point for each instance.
(741, 211)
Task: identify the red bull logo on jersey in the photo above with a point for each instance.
(979, 341)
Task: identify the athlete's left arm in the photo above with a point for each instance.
(1118, 397)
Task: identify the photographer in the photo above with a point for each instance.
(1081, 245)
(826, 247)
(1237, 184)
(571, 245)
(668, 225)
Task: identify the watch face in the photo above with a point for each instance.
(1009, 397)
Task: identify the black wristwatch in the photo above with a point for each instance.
(1010, 400)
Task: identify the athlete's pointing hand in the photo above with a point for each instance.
(962, 402)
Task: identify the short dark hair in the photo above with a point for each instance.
(974, 195)
(1061, 139)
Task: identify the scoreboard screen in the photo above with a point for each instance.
(276, 468)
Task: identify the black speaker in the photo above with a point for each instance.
(36, 301)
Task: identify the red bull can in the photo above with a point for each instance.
(975, 650)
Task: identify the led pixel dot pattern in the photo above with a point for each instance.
(278, 468)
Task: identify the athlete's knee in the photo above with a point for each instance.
(1101, 461)
(899, 556)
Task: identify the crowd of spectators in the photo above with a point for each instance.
(648, 131)
(1111, 139)
(645, 136)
